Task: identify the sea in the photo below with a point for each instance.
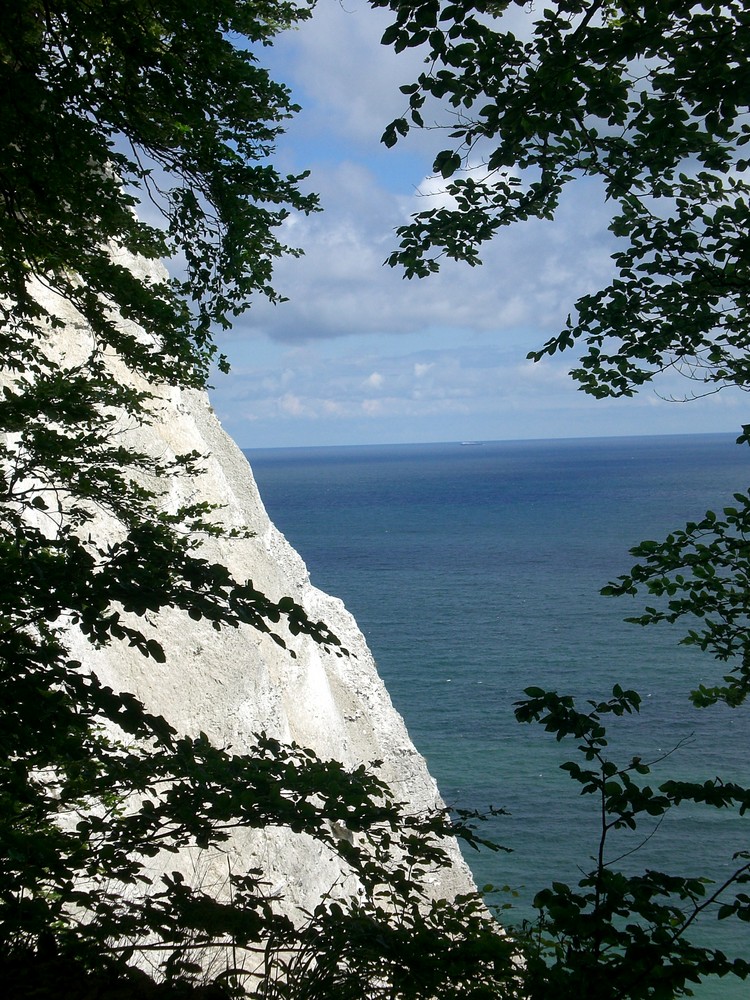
(474, 570)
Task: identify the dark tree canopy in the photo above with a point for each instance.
(652, 100)
(108, 106)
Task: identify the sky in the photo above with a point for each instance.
(360, 355)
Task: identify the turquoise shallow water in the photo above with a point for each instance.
(475, 572)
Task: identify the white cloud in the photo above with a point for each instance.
(347, 80)
(292, 405)
(358, 353)
(530, 279)
(348, 84)
(459, 393)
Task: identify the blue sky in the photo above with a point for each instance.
(358, 355)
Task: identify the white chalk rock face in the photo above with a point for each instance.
(234, 683)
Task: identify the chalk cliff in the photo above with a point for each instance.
(237, 682)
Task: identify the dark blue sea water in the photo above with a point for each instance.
(475, 572)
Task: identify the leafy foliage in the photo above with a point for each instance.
(701, 573)
(391, 947)
(648, 98)
(621, 933)
(109, 107)
(113, 104)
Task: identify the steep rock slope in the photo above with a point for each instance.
(237, 682)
